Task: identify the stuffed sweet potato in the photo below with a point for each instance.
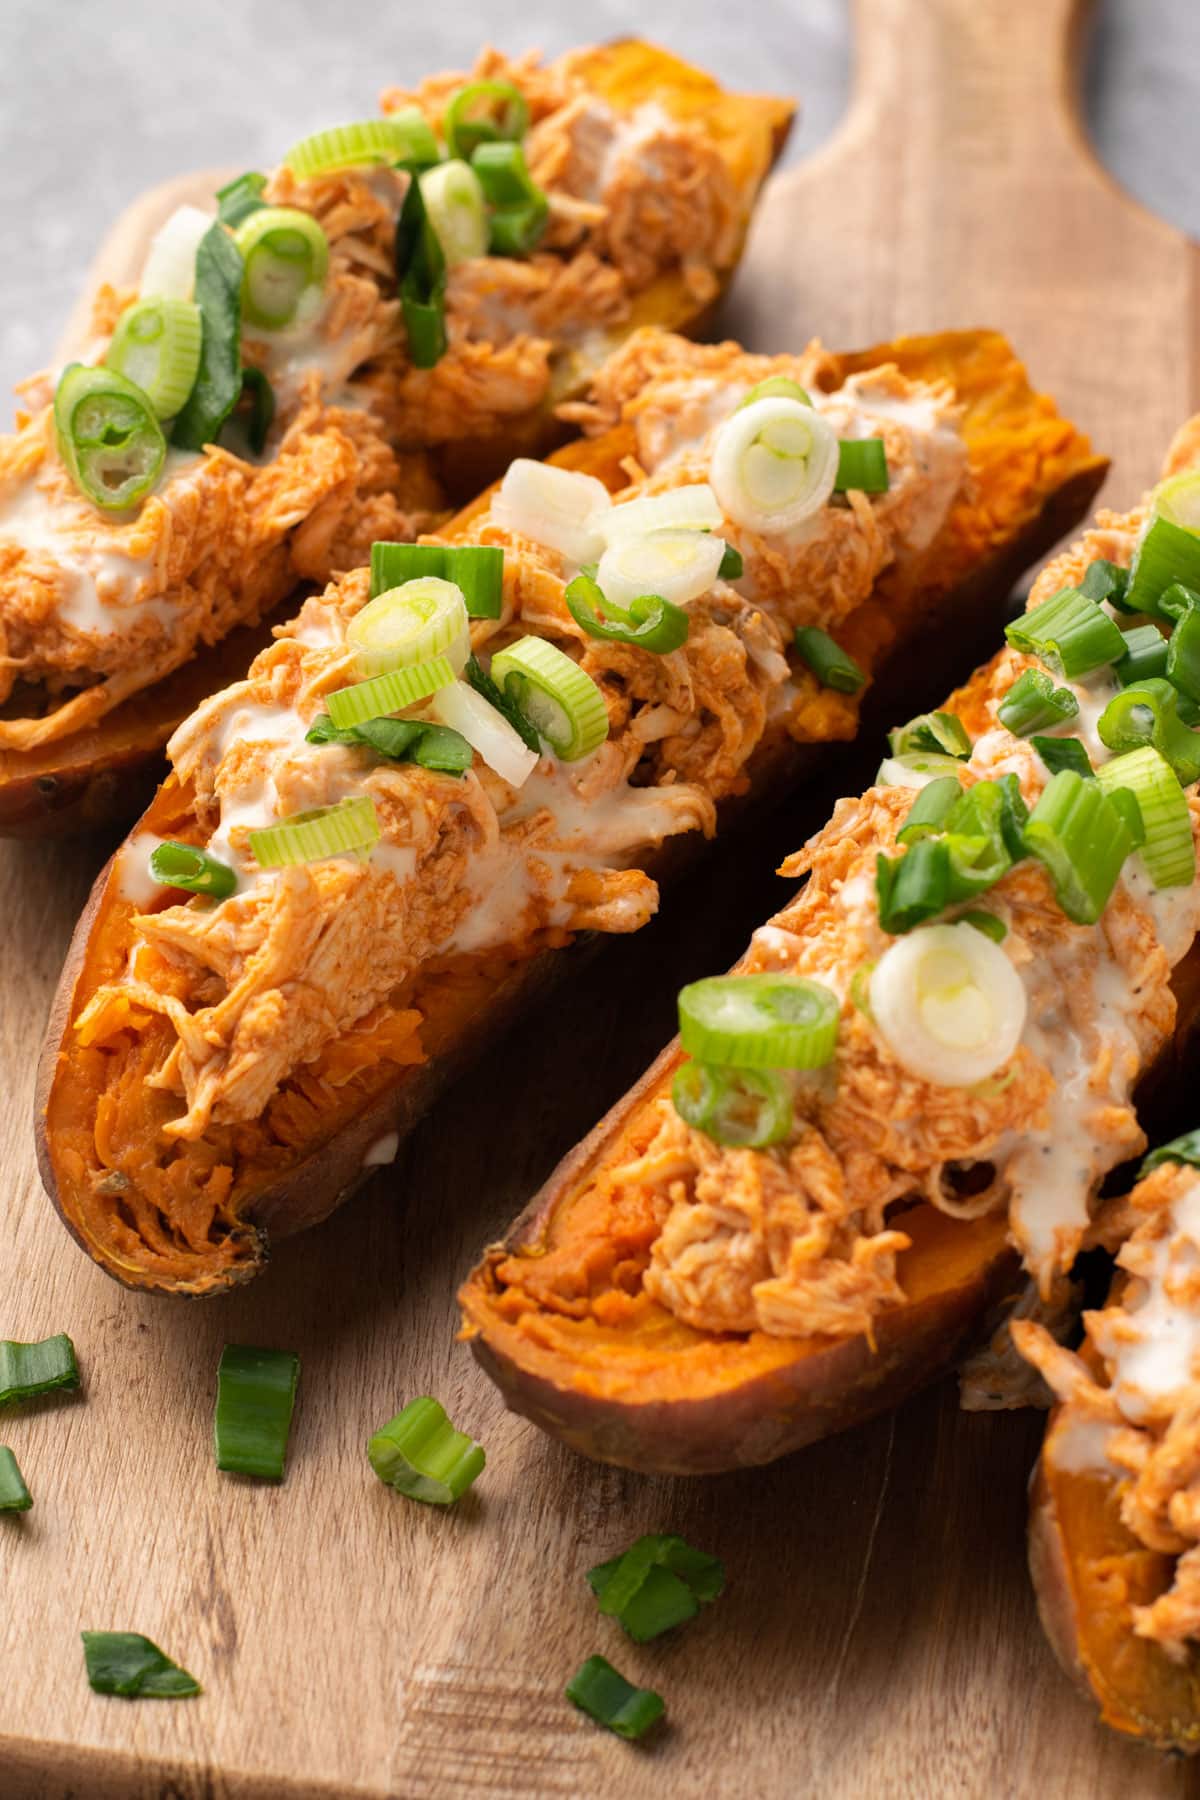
(1113, 1531)
(920, 1073)
(347, 350)
(221, 1071)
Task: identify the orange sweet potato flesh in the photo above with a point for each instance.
(208, 1227)
(1088, 1572)
(109, 771)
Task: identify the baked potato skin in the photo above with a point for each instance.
(1087, 1572)
(931, 640)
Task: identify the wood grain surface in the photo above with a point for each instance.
(878, 1635)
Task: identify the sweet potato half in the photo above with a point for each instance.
(108, 771)
(97, 1124)
(1088, 1572)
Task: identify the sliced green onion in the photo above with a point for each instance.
(929, 811)
(660, 1582)
(477, 571)
(421, 274)
(558, 698)
(419, 1453)
(732, 567)
(1183, 654)
(773, 465)
(169, 272)
(997, 809)
(1082, 841)
(1168, 850)
(1147, 712)
(942, 732)
(833, 667)
(744, 1109)
(676, 566)
(29, 1370)
(256, 1392)
(1129, 807)
(1106, 581)
(410, 625)
(405, 137)
(306, 837)
(563, 508)
(520, 209)
(400, 740)
(218, 384)
(598, 1690)
(650, 623)
(949, 1004)
(987, 922)
(456, 209)
(1145, 655)
(257, 390)
(915, 768)
(108, 436)
(862, 464)
(240, 197)
(14, 1495)
(484, 112)
(1169, 552)
(1033, 702)
(462, 708)
(1063, 753)
(504, 704)
(693, 508)
(389, 693)
(187, 866)
(285, 253)
(157, 346)
(775, 387)
(914, 887)
(1070, 633)
(126, 1663)
(1184, 1149)
(759, 1021)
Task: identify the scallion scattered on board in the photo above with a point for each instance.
(420, 1454)
(659, 1582)
(126, 1663)
(28, 1370)
(256, 1392)
(14, 1495)
(598, 1690)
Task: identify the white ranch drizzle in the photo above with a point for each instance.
(1154, 1350)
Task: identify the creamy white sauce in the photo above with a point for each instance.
(382, 1151)
(1155, 1351)
(132, 869)
(1081, 1445)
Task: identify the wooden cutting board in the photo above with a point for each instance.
(878, 1634)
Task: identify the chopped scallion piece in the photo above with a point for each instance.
(731, 567)
(862, 464)
(833, 667)
(504, 704)
(388, 693)
(1169, 552)
(1062, 753)
(915, 769)
(239, 198)
(477, 570)
(256, 1392)
(1147, 712)
(598, 1690)
(941, 732)
(776, 387)
(421, 273)
(929, 811)
(1167, 848)
(659, 1582)
(350, 825)
(400, 740)
(108, 436)
(759, 1021)
(218, 384)
(745, 1109)
(1183, 652)
(1184, 1149)
(1082, 840)
(285, 253)
(156, 345)
(126, 1663)
(420, 1454)
(1106, 581)
(456, 209)
(405, 137)
(188, 867)
(649, 622)
(30, 1370)
(558, 698)
(914, 887)
(987, 922)
(484, 112)
(1145, 655)
(515, 230)
(519, 207)
(1033, 702)
(409, 626)
(14, 1495)
(1070, 633)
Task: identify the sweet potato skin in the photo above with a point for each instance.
(951, 627)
